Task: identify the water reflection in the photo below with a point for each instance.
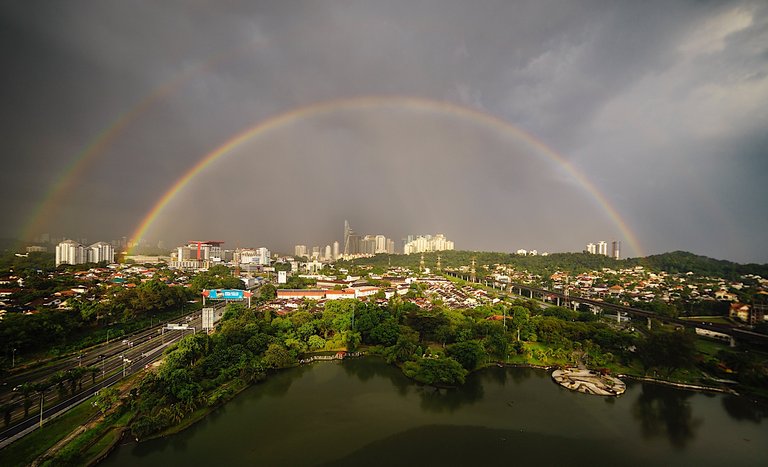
(449, 400)
(741, 408)
(477, 445)
(367, 368)
(666, 413)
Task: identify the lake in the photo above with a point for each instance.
(365, 412)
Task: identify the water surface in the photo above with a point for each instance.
(365, 412)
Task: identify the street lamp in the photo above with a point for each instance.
(107, 336)
(125, 361)
(13, 360)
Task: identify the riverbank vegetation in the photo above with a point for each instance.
(436, 347)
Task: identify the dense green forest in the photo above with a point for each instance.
(675, 262)
(683, 261)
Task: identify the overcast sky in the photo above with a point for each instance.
(663, 105)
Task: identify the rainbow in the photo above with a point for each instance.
(371, 102)
(109, 135)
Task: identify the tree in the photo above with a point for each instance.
(277, 356)
(405, 346)
(667, 350)
(519, 317)
(7, 410)
(469, 354)
(436, 371)
(25, 391)
(106, 398)
(316, 342)
(385, 333)
(268, 292)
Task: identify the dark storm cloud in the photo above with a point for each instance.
(660, 103)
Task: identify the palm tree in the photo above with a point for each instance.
(74, 376)
(25, 390)
(59, 378)
(7, 410)
(40, 388)
(93, 370)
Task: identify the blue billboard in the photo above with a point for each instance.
(225, 294)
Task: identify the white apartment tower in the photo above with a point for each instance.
(427, 243)
(602, 248)
(100, 251)
(591, 248)
(300, 250)
(70, 252)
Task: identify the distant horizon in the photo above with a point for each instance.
(290, 253)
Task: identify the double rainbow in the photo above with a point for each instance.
(373, 102)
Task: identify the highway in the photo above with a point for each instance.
(733, 331)
(118, 359)
(742, 334)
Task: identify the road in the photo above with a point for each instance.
(117, 359)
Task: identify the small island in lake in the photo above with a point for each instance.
(589, 382)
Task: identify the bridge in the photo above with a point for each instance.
(733, 332)
(532, 292)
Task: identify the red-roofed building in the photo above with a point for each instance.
(313, 294)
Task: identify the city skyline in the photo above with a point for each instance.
(528, 124)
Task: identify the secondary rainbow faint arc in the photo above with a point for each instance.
(398, 102)
(108, 135)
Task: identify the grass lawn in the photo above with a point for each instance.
(25, 450)
(710, 347)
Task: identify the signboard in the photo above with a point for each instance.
(177, 327)
(225, 294)
(282, 277)
(207, 318)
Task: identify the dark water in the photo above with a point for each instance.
(364, 412)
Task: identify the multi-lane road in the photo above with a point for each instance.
(117, 359)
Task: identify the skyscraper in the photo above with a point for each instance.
(616, 249)
(424, 243)
(100, 251)
(602, 248)
(347, 233)
(591, 248)
(300, 250)
(70, 252)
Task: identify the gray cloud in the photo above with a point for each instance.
(660, 103)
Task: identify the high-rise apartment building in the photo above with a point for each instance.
(197, 255)
(602, 248)
(100, 251)
(616, 249)
(591, 248)
(300, 250)
(70, 252)
(427, 243)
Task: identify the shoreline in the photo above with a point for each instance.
(687, 386)
(360, 354)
